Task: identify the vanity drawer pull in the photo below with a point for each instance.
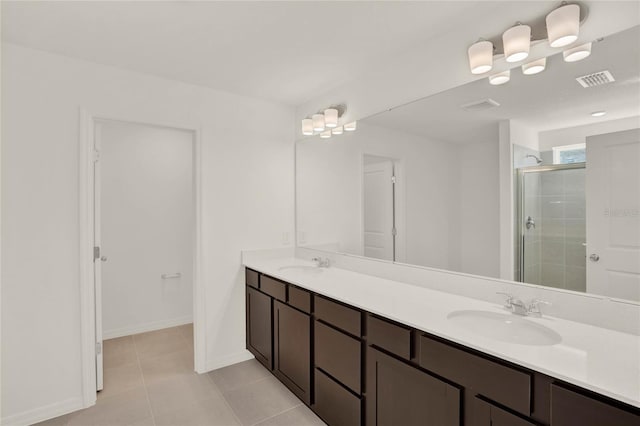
(334, 404)
(273, 288)
(389, 336)
(497, 382)
(300, 299)
(339, 355)
(252, 278)
(340, 316)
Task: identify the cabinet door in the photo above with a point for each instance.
(292, 346)
(259, 335)
(399, 394)
(570, 408)
(486, 414)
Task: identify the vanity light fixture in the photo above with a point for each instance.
(318, 122)
(534, 67)
(517, 41)
(563, 25)
(598, 113)
(500, 78)
(480, 57)
(331, 117)
(337, 130)
(578, 53)
(326, 134)
(307, 127)
(350, 127)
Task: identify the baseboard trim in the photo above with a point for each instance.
(227, 360)
(43, 413)
(143, 328)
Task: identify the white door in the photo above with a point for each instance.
(378, 211)
(98, 257)
(613, 214)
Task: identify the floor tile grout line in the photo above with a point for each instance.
(277, 414)
(144, 383)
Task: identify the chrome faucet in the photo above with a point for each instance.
(518, 307)
(322, 263)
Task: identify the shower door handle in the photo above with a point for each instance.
(530, 223)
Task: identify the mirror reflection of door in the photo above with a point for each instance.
(613, 214)
(378, 192)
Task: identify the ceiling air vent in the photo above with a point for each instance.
(480, 105)
(596, 79)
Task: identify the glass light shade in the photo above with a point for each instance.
(337, 130)
(326, 134)
(516, 41)
(577, 53)
(318, 122)
(481, 57)
(534, 67)
(563, 25)
(500, 78)
(331, 118)
(307, 127)
(350, 127)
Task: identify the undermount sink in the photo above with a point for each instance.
(505, 327)
(302, 268)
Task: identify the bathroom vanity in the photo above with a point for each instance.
(369, 354)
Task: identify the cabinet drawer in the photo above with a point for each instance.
(336, 405)
(299, 298)
(273, 288)
(338, 355)
(570, 408)
(252, 278)
(340, 316)
(498, 382)
(389, 336)
(487, 414)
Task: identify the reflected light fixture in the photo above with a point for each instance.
(534, 67)
(563, 25)
(500, 78)
(350, 127)
(517, 41)
(326, 134)
(598, 113)
(577, 53)
(307, 127)
(337, 130)
(331, 117)
(480, 57)
(318, 122)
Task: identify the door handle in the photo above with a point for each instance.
(103, 258)
(594, 257)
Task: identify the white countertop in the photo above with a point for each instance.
(602, 360)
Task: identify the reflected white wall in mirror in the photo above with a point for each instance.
(444, 150)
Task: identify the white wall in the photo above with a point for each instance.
(247, 202)
(578, 134)
(147, 226)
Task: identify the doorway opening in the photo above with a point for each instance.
(140, 222)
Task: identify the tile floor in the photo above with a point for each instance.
(149, 380)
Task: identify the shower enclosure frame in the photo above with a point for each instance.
(519, 208)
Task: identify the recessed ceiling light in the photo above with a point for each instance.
(598, 113)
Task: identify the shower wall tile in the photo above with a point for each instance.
(574, 181)
(553, 207)
(575, 207)
(575, 228)
(575, 252)
(552, 275)
(576, 278)
(552, 183)
(551, 227)
(553, 251)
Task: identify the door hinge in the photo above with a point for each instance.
(96, 253)
(394, 231)
(98, 348)
(96, 156)
(393, 179)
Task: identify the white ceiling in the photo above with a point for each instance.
(550, 100)
(284, 51)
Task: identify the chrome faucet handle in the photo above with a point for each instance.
(509, 302)
(534, 307)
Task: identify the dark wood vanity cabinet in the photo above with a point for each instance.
(355, 368)
(291, 349)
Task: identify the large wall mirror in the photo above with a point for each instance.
(424, 183)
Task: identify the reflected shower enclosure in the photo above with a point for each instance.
(551, 228)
